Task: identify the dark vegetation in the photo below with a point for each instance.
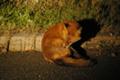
(42, 13)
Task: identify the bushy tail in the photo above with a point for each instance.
(68, 61)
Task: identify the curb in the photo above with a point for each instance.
(32, 42)
(21, 42)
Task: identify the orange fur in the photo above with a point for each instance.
(56, 42)
(53, 43)
(73, 31)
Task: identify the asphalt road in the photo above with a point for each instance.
(31, 66)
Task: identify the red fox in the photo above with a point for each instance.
(56, 42)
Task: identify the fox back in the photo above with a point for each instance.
(56, 40)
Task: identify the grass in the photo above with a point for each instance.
(43, 13)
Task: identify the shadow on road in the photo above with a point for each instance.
(90, 28)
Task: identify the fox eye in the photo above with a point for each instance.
(66, 25)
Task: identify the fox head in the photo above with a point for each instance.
(73, 29)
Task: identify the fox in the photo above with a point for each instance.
(56, 44)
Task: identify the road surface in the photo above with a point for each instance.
(31, 66)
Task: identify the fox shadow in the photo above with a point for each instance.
(90, 28)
